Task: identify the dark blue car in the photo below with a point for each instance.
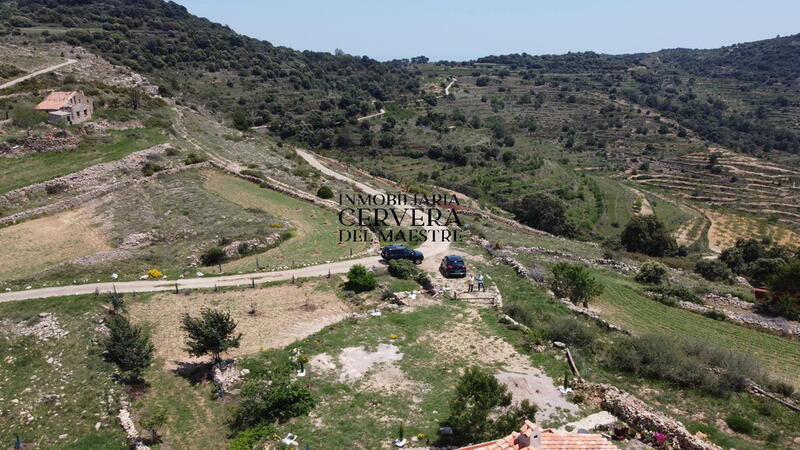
(453, 266)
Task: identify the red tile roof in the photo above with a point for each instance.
(532, 437)
(56, 100)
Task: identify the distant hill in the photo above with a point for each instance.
(211, 63)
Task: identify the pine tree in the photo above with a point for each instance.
(211, 333)
(129, 347)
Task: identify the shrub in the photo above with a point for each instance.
(481, 409)
(713, 270)
(575, 282)
(519, 314)
(25, 116)
(55, 188)
(715, 315)
(359, 279)
(683, 363)
(154, 273)
(194, 158)
(651, 272)
(544, 212)
(646, 234)
(325, 192)
(213, 256)
(149, 168)
(252, 173)
(247, 439)
(403, 269)
(570, 330)
(271, 394)
(740, 424)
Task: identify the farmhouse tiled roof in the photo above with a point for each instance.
(56, 100)
(532, 437)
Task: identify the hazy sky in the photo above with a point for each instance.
(468, 29)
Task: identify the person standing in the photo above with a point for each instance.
(479, 280)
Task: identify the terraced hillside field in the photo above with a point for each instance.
(739, 182)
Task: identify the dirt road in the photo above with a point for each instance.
(379, 113)
(432, 250)
(37, 73)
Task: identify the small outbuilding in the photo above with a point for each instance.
(72, 107)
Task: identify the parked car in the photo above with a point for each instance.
(453, 266)
(397, 251)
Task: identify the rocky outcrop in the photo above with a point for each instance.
(749, 319)
(45, 329)
(226, 375)
(642, 417)
(60, 141)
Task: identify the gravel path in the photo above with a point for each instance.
(37, 73)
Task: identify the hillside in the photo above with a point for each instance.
(619, 209)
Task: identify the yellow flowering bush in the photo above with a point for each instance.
(394, 336)
(154, 273)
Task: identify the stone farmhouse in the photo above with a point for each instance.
(72, 107)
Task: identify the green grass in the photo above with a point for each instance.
(37, 167)
(195, 419)
(621, 304)
(316, 228)
(83, 377)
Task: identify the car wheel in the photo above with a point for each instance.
(417, 261)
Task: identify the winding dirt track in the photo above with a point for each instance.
(37, 73)
(432, 250)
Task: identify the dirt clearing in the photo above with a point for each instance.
(282, 317)
(36, 244)
(464, 341)
(727, 228)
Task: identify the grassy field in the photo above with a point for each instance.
(70, 367)
(621, 304)
(316, 228)
(37, 167)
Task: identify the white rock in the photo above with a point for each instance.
(114, 276)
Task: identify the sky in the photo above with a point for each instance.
(468, 29)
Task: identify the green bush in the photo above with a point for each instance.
(481, 409)
(713, 270)
(252, 173)
(213, 256)
(519, 314)
(740, 424)
(247, 439)
(574, 281)
(194, 158)
(403, 269)
(25, 116)
(683, 363)
(359, 279)
(325, 192)
(651, 272)
(272, 394)
(570, 330)
(646, 234)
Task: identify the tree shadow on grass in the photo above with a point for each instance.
(194, 372)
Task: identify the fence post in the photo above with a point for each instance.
(176, 288)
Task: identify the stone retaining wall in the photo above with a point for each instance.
(642, 417)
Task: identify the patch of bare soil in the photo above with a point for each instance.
(284, 314)
(356, 361)
(465, 343)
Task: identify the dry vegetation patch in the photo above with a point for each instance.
(727, 228)
(36, 244)
(285, 313)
